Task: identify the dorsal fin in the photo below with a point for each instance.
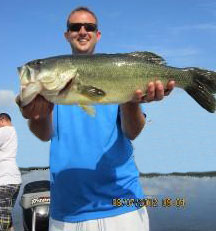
(148, 57)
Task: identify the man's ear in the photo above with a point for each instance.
(66, 35)
(98, 34)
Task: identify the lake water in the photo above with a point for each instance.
(175, 203)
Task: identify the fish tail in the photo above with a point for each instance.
(203, 88)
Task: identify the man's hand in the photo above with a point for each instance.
(39, 108)
(39, 113)
(155, 92)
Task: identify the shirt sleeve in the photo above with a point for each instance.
(2, 136)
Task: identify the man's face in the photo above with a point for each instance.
(82, 41)
(3, 122)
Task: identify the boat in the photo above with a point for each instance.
(35, 202)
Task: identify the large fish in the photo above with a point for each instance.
(108, 79)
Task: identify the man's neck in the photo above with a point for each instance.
(80, 53)
(6, 124)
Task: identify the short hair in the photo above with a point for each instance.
(5, 116)
(82, 8)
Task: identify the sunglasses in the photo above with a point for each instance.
(75, 27)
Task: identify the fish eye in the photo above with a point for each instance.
(36, 63)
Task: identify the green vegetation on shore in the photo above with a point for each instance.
(193, 174)
(33, 168)
(154, 174)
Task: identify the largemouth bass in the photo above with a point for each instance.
(108, 79)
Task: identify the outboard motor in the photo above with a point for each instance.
(35, 204)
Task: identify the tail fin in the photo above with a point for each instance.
(203, 88)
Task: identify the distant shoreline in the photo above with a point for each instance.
(33, 168)
(149, 175)
(192, 174)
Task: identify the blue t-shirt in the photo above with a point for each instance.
(91, 164)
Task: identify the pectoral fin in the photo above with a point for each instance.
(88, 109)
(91, 92)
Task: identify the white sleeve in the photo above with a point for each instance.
(2, 136)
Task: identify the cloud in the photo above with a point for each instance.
(163, 51)
(200, 26)
(178, 52)
(192, 28)
(7, 98)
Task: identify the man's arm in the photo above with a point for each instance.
(132, 117)
(39, 113)
(42, 128)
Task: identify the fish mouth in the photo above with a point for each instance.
(19, 70)
(23, 70)
(24, 74)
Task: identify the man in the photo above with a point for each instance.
(10, 177)
(93, 174)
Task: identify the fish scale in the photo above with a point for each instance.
(108, 79)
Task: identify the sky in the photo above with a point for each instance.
(179, 135)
